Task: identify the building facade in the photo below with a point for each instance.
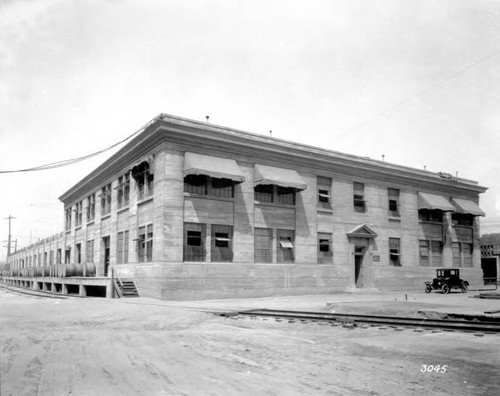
(191, 210)
(490, 257)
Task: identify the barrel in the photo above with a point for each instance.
(72, 270)
(89, 269)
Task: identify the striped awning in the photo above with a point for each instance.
(264, 174)
(222, 168)
(433, 202)
(467, 207)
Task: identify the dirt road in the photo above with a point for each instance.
(135, 347)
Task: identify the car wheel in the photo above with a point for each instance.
(446, 289)
(428, 288)
(464, 288)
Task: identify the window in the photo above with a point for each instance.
(144, 179)
(78, 214)
(393, 194)
(90, 251)
(196, 184)
(264, 193)
(272, 193)
(194, 242)
(325, 252)
(59, 256)
(222, 243)
(145, 242)
(90, 207)
(467, 255)
(68, 219)
(424, 253)
(284, 246)
(436, 253)
(359, 200)
(431, 253)
(122, 248)
(263, 248)
(430, 216)
(51, 257)
(67, 255)
(286, 195)
(45, 258)
(324, 192)
(206, 185)
(459, 219)
(106, 200)
(462, 254)
(223, 188)
(394, 252)
(78, 257)
(123, 191)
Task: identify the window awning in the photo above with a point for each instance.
(222, 168)
(264, 174)
(433, 202)
(286, 244)
(467, 207)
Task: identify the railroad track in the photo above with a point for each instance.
(474, 325)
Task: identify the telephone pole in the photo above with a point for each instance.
(9, 241)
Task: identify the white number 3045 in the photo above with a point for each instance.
(424, 368)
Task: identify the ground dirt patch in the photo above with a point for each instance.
(122, 347)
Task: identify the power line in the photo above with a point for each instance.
(421, 93)
(72, 161)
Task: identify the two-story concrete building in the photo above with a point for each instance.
(191, 210)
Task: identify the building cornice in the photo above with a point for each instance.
(186, 132)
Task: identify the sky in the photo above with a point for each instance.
(417, 81)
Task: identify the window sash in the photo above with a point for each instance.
(285, 246)
(194, 232)
(263, 249)
(222, 250)
(145, 243)
(264, 193)
(325, 251)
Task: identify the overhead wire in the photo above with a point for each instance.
(423, 92)
(71, 161)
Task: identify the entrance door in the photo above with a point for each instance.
(359, 253)
(106, 249)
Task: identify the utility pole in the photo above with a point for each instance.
(10, 218)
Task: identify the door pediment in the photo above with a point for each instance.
(362, 231)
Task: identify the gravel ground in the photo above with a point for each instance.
(139, 346)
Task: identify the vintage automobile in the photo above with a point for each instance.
(445, 280)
